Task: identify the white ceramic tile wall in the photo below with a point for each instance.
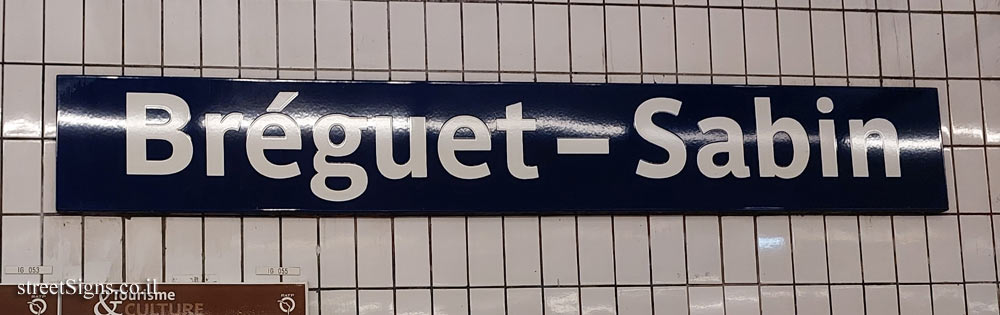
(943, 264)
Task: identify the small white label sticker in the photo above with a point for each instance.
(27, 270)
(186, 278)
(279, 271)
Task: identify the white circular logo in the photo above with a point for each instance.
(286, 304)
(37, 306)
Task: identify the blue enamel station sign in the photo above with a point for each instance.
(195, 145)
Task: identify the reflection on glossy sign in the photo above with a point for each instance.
(217, 145)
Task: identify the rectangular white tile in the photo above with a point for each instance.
(727, 41)
(925, 5)
(261, 248)
(944, 248)
(220, 33)
(622, 40)
(143, 249)
(559, 250)
(22, 236)
(991, 110)
(960, 45)
(223, 250)
(491, 301)
(777, 300)
(656, 26)
(862, 43)
(989, 42)
(812, 299)
(406, 35)
(587, 32)
(142, 32)
(63, 31)
(881, 299)
(102, 29)
(706, 301)
(666, 240)
(928, 47)
(596, 250)
(910, 236)
(892, 4)
(258, 33)
(774, 249)
(567, 301)
(966, 112)
(412, 301)
(444, 36)
(143, 71)
(339, 302)
(859, 4)
(337, 251)
(102, 249)
(948, 298)
(486, 251)
(761, 41)
(370, 35)
(692, 40)
(526, 301)
(376, 302)
(877, 252)
(971, 181)
(479, 36)
(182, 241)
(915, 299)
(374, 252)
(22, 41)
(635, 301)
(631, 250)
(670, 299)
(795, 49)
(448, 251)
(22, 173)
(411, 252)
(828, 42)
(978, 261)
(62, 247)
(739, 251)
(22, 100)
(895, 45)
(522, 251)
(847, 299)
(333, 34)
(182, 32)
(456, 301)
(742, 300)
(295, 34)
(182, 72)
(808, 244)
(981, 298)
(986, 5)
(299, 249)
(598, 301)
(704, 259)
(517, 41)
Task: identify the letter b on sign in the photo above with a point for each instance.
(138, 131)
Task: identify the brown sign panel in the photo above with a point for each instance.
(169, 299)
(26, 304)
